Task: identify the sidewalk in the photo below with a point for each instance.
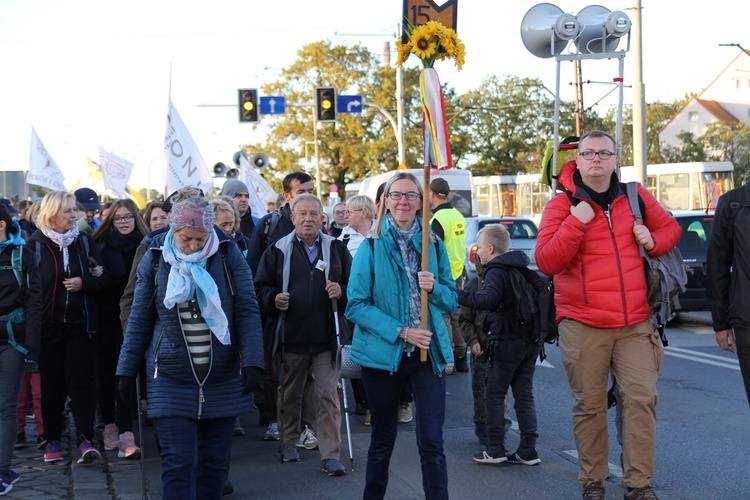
(109, 477)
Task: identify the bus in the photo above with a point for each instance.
(686, 186)
(677, 186)
(520, 195)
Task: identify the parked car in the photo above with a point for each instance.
(522, 232)
(693, 245)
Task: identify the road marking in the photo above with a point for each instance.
(544, 363)
(614, 470)
(701, 357)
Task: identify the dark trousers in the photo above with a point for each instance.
(107, 343)
(66, 369)
(384, 396)
(512, 365)
(742, 338)
(193, 456)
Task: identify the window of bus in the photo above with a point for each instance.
(713, 185)
(508, 197)
(483, 198)
(674, 191)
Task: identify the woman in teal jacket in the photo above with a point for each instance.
(384, 304)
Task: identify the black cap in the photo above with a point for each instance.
(8, 204)
(88, 198)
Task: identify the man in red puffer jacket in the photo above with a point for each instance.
(588, 241)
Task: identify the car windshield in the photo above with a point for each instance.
(696, 232)
(518, 229)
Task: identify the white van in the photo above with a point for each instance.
(463, 196)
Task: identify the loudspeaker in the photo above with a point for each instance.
(233, 173)
(546, 30)
(219, 169)
(237, 156)
(601, 29)
(259, 160)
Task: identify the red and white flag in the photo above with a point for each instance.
(43, 171)
(184, 165)
(116, 172)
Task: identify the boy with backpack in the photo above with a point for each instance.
(513, 342)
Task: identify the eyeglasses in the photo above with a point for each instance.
(603, 155)
(397, 195)
(349, 212)
(124, 218)
(339, 212)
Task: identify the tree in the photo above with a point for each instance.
(502, 127)
(690, 149)
(729, 142)
(355, 145)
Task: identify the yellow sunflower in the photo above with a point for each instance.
(423, 43)
(404, 49)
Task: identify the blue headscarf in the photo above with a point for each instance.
(14, 238)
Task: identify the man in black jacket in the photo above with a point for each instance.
(297, 279)
(727, 286)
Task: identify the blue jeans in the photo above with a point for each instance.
(511, 365)
(11, 375)
(193, 456)
(384, 397)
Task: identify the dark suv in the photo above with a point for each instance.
(696, 233)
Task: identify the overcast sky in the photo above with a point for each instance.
(91, 73)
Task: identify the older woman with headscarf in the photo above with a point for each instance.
(70, 279)
(196, 321)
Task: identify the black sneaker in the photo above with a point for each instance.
(491, 455)
(21, 441)
(462, 365)
(525, 457)
(333, 467)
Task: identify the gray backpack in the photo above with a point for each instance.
(666, 276)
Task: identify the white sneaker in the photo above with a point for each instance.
(404, 413)
(111, 437)
(307, 439)
(272, 433)
(128, 448)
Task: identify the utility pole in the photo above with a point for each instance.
(580, 115)
(640, 152)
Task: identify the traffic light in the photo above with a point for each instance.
(248, 105)
(325, 104)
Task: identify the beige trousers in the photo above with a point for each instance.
(635, 357)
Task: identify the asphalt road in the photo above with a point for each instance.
(702, 441)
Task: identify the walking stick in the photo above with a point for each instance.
(140, 434)
(425, 255)
(280, 336)
(343, 382)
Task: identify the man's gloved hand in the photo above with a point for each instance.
(251, 377)
(126, 388)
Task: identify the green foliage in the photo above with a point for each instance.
(356, 144)
(502, 126)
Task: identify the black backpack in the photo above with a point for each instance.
(533, 311)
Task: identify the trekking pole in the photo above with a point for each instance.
(140, 434)
(280, 336)
(343, 382)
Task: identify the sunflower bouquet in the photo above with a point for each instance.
(431, 42)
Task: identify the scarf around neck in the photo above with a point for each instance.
(411, 262)
(62, 240)
(188, 276)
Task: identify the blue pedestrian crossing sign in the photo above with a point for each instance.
(348, 104)
(272, 105)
